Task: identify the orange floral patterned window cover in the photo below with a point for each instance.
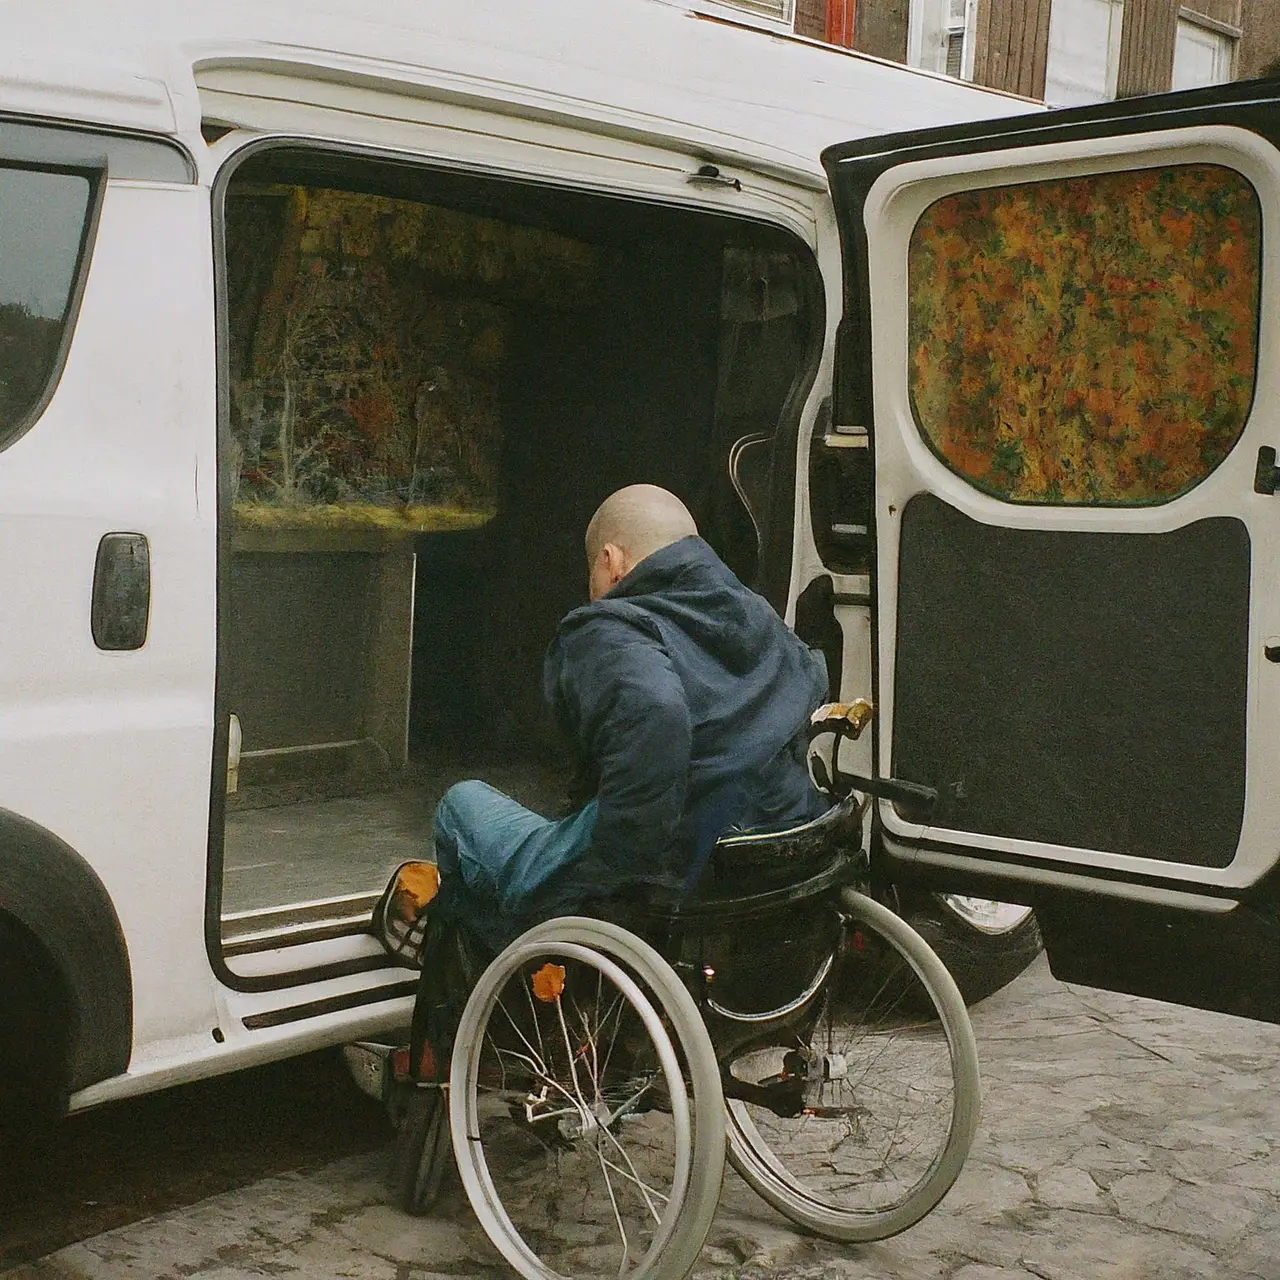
(1087, 340)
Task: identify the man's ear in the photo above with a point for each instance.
(617, 562)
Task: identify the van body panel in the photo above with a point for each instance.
(107, 750)
(115, 752)
(648, 64)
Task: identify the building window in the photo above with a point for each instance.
(778, 10)
(1087, 340)
(1204, 52)
(1084, 51)
(941, 36)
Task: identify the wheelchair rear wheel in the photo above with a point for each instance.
(586, 1110)
(857, 1129)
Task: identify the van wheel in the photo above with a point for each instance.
(33, 1059)
(29, 1115)
(984, 944)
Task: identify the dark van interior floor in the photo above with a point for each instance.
(327, 848)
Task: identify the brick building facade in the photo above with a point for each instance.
(1064, 51)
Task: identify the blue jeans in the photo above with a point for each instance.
(495, 855)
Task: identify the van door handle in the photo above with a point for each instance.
(1266, 476)
(121, 605)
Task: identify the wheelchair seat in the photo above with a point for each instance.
(752, 860)
(752, 873)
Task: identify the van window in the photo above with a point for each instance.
(42, 222)
(1087, 340)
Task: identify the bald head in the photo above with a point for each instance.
(630, 525)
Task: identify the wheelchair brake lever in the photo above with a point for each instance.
(897, 790)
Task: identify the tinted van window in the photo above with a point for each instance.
(42, 221)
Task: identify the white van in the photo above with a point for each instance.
(320, 338)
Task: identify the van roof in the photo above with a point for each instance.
(659, 64)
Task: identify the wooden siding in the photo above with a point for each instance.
(880, 28)
(1012, 45)
(811, 18)
(1146, 47)
(1260, 43)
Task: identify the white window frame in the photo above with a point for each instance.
(1115, 36)
(1228, 34)
(930, 25)
(779, 15)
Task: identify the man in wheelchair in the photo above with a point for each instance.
(685, 696)
(595, 1080)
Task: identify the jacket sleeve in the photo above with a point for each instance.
(633, 720)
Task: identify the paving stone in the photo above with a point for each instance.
(1069, 1188)
(1121, 1140)
(433, 1240)
(980, 1271)
(1219, 1214)
(987, 1191)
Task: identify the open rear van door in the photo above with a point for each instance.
(1062, 335)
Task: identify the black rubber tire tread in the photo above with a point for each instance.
(423, 1151)
(33, 1059)
(981, 963)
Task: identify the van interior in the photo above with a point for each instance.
(433, 378)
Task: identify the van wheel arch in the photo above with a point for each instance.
(981, 961)
(61, 944)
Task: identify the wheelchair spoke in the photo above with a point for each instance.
(630, 1173)
(591, 1177)
(572, 1056)
(515, 1026)
(583, 1166)
(613, 1200)
(875, 1140)
(590, 1044)
(527, 987)
(613, 1013)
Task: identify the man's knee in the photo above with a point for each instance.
(463, 802)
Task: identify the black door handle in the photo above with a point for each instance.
(1266, 477)
(121, 604)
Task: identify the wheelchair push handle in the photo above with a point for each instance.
(844, 719)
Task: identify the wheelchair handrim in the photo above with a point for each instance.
(468, 1047)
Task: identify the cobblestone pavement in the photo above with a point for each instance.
(1121, 1139)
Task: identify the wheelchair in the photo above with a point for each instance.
(591, 1079)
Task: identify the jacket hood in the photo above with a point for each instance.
(688, 586)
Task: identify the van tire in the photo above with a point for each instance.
(34, 1043)
(980, 962)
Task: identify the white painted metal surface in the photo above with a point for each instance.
(906, 466)
(113, 751)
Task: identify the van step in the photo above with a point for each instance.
(269, 928)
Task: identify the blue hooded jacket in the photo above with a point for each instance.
(690, 696)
